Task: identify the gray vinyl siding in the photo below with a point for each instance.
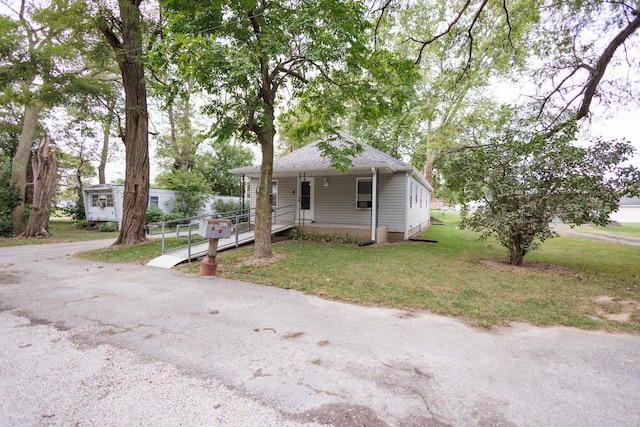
(286, 197)
(418, 207)
(336, 203)
(391, 202)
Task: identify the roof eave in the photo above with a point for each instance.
(255, 172)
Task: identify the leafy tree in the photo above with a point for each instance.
(192, 188)
(215, 164)
(39, 67)
(245, 52)
(9, 197)
(522, 179)
(124, 33)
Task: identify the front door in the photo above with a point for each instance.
(306, 199)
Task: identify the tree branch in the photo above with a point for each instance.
(601, 66)
(445, 32)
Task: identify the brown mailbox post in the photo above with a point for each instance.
(213, 229)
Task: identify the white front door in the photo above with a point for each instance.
(306, 195)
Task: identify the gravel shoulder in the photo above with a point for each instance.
(606, 237)
(47, 378)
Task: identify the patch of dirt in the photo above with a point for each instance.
(526, 267)
(260, 262)
(341, 415)
(9, 279)
(618, 310)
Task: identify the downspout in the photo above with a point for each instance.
(243, 194)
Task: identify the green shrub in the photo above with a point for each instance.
(80, 224)
(153, 215)
(173, 216)
(224, 206)
(108, 227)
(76, 211)
(9, 198)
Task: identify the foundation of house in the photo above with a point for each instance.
(359, 232)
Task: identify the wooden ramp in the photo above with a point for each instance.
(171, 259)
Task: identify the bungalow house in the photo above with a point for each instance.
(629, 210)
(378, 199)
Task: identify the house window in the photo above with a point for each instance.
(153, 201)
(102, 200)
(363, 193)
(274, 194)
(410, 194)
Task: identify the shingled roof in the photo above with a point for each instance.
(310, 159)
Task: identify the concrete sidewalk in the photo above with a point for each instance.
(313, 359)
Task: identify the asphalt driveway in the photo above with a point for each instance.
(109, 344)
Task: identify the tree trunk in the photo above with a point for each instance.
(45, 173)
(20, 163)
(516, 252)
(428, 167)
(104, 154)
(263, 197)
(429, 157)
(136, 138)
(136, 184)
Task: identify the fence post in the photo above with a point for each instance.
(163, 237)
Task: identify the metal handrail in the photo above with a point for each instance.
(237, 217)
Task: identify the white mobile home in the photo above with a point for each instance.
(378, 198)
(103, 202)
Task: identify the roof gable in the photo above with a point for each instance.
(310, 156)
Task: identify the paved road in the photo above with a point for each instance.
(136, 345)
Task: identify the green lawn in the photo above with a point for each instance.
(571, 281)
(138, 254)
(61, 231)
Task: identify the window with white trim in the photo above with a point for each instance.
(102, 200)
(363, 193)
(153, 201)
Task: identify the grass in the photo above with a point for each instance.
(61, 231)
(138, 254)
(571, 281)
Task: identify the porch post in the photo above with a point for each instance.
(374, 202)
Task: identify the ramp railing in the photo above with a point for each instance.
(242, 220)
